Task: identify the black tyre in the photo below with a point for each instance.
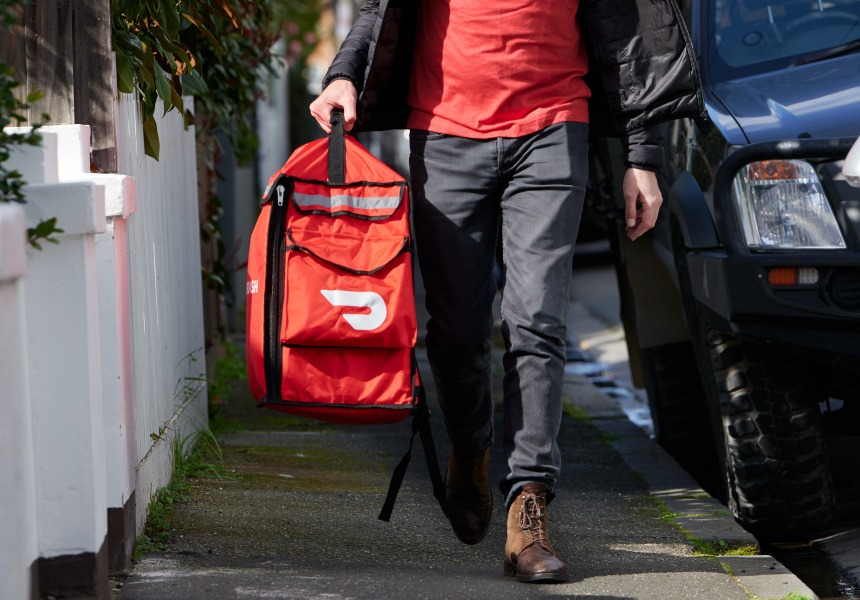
(679, 410)
(766, 423)
(776, 468)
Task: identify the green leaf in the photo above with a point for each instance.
(171, 51)
(162, 85)
(182, 54)
(169, 17)
(133, 8)
(194, 85)
(176, 99)
(145, 75)
(124, 74)
(206, 33)
(164, 55)
(43, 231)
(151, 145)
(138, 51)
(47, 227)
(149, 99)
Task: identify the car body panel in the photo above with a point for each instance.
(816, 100)
(723, 118)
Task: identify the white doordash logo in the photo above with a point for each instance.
(371, 300)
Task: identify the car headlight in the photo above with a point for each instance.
(781, 205)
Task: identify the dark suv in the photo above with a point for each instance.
(742, 307)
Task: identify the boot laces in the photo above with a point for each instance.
(533, 519)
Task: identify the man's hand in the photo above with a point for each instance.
(642, 200)
(340, 93)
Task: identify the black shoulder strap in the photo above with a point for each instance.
(420, 426)
(336, 149)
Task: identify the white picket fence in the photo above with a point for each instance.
(102, 364)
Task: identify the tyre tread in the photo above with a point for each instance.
(779, 480)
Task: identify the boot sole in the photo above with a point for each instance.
(511, 571)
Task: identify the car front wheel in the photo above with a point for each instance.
(775, 464)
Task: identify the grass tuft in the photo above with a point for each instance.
(702, 547)
(230, 369)
(196, 456)
(575, 412)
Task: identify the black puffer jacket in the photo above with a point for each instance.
(642, 69)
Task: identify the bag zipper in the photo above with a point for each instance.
(277, 224)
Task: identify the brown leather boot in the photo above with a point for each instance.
(529, 555)
(469, 495)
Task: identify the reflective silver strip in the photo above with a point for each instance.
(371, 203)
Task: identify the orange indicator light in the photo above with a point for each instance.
(782, 276)
(772, 170)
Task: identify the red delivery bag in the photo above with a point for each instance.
(331, 325)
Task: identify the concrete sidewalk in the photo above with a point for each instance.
(300, 520)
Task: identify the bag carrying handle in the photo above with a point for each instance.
(337, 149)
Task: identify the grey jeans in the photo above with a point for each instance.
(465, 192)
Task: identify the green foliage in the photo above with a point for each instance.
(152, 58)
(7, 17)
(196, 456)
(790, 596)
(230, 369)
(12, 114)
(219, 52)
(701, 547)
(215, 50)
(199, 456)
(720, 548)
(11, 109)
(44, 231)
(156, 532)
(575, 412)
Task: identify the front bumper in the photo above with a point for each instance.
(821, 320)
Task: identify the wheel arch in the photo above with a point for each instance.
(689, 209)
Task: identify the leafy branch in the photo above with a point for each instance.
(44, 231)
(153, 59)
(213, 50)
(219, 52)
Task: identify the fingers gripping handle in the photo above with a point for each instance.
(336, 149)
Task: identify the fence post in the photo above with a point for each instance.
(18, 550)
(112, 258)
(62, 333)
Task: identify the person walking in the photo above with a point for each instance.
(499, 98)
